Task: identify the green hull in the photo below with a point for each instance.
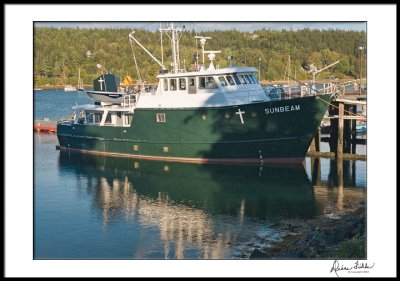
(276, 131)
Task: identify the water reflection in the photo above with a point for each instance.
(342, 189)
(207, 211)
(203, 208)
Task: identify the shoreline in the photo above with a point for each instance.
(330, 236)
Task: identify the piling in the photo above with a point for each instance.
(339, 148)
(353, 131)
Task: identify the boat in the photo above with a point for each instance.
(69, 88)
(204, 115)
(106, 89)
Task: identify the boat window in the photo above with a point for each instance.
(165, 82)
(251, 79)
(222, 81)
(108, 119)
(236, 79)
(172, 84)
(97, 118)
(210, 83)
(255, 79)
(241, 78)
(202, 82)
(89, 118)
(191, 82)
(128, 119)
(230, 80)
(248, 80)
(182, 83)
(207, 83)
(160, 117)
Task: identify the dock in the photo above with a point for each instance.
(45, 125)
(342, 138)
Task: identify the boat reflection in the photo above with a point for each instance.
(202, 207)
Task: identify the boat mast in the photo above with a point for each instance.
(79, 78)
(175, 45)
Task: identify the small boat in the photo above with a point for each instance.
(37, 89)
(361, 127)
(69, 88)
(106, 89)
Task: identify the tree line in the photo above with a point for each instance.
(59, 54)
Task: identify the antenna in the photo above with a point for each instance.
(175, 44)
(202, 40)
(211, 57)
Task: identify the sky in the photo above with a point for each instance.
(210, 26)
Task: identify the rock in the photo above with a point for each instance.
(257, 254)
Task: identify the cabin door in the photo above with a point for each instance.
(192, 85)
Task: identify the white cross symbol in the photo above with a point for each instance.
(240, 113)
(101, 83)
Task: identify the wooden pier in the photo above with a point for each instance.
(342, 140)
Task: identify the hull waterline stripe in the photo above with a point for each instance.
(193, 160)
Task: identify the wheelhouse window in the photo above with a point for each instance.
(230, 80)
(236, 78)
(246, 77)
(242, 80)
(182, 84)
(160, 117)
(191, 82)
(210, 83)
(207, 83)
(222, 80)
(202, 82)
(255, 79)
(172, 84)
(165, 84)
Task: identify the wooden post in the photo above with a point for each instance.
(316, 171)
(312, 145)
(353, 132)
(333, 128)
(317, 140)
(339, 164)
(339, 150)
(346, 132)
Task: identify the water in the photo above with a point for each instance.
(92, 207)
(56, 104)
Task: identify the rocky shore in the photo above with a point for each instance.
(331, 236)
